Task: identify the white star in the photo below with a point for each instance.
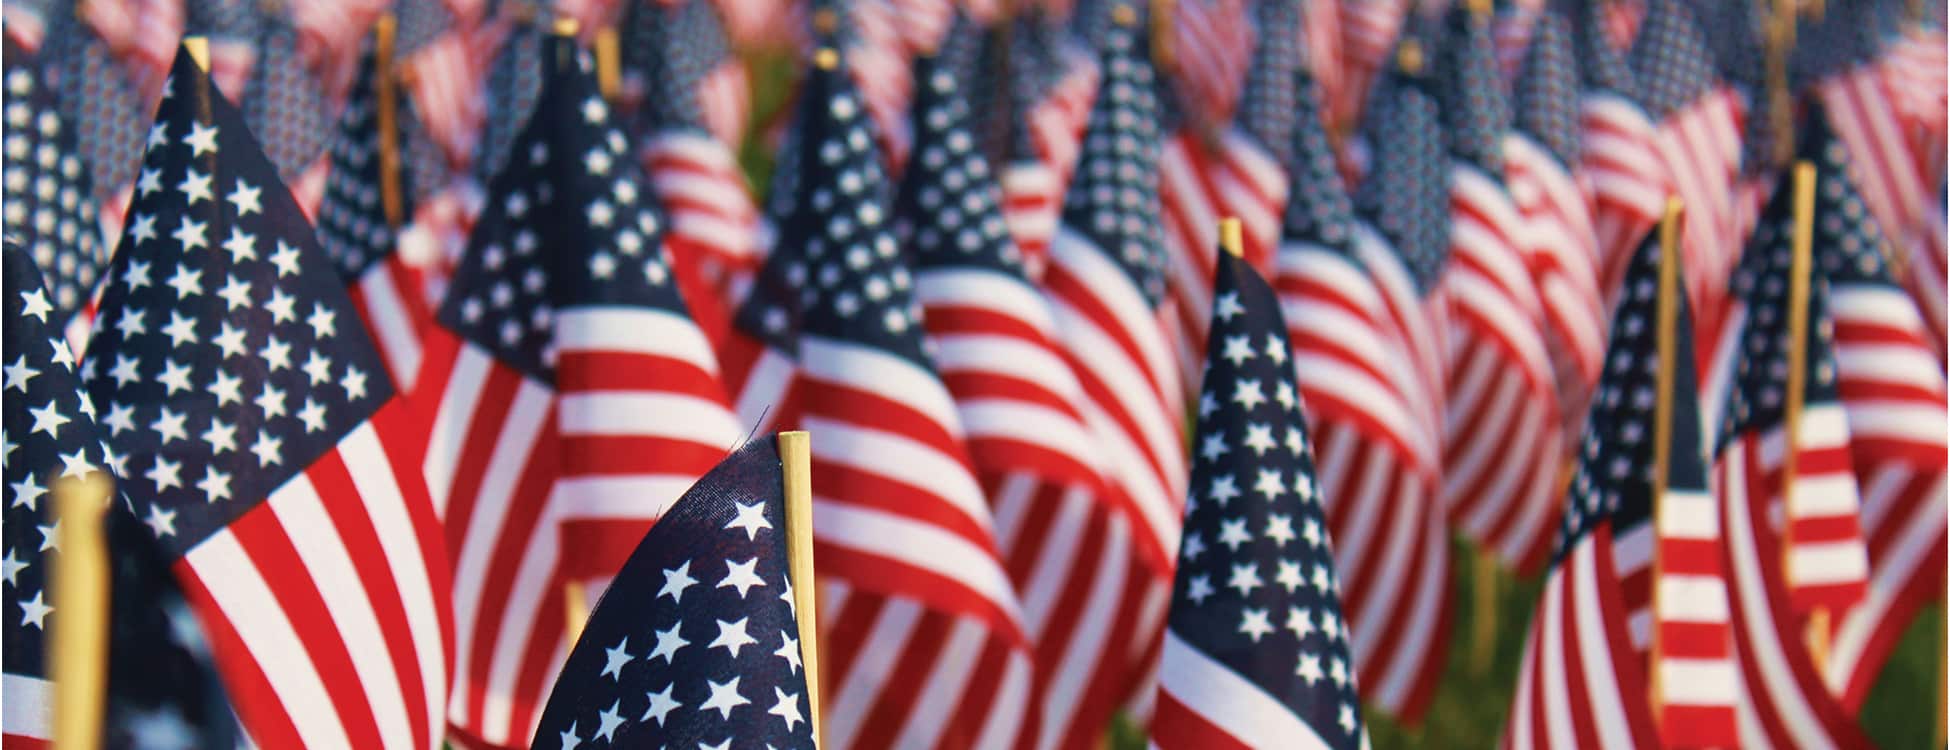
(743, 576)
(50, 536)
(602, 265)
(1247, 393)
(1346, 719)
(1192, 547)
(1309, 667)
(1207, 404)
(27, 492)
(611, 719)
(1238, 350)
(137, 274)
(221, 437)
(1322, 580)
(724, 744)
(201, 139)
(141, 229)
(731, 636)
(1279, 528)
(597, 161)
(354, 383)
(724, 697)
(675, 581)
(1303, 485)
(313, 415)
(181, 330)
(1224, 488)
(660, 705)
(1300, 621)
(1259, 437)
(1229, 306)
(1330, 625)
(286, 259)
(615, 658)
(158, 136)
(751, 518)
(1255, 624)
(786, 596)
(569, 739)
(34, 612)
(48, 419)
(130, 323)
(787, 708)
(1337, 669)
(165, 474)
(6, 446)
(1213, 447)
(1295, 443)
(161, 522)
(1283, 393)
(161, 729)
(214, 484)
(10, 567)
(1270, 485)
(1289, 576)
(1232, 533)
(245, 198)
(1199, 589)
(124, 371)
(1310, 531)
(18, 374)
(1275, 349)
(190, 234)
(76, 464)
(195, 187)
(318, 367)
(789, 651)
(600, 213)
(280, 306)
(1245, 577)
(276, 354)
(37, 305)
(267, 448)
(188, 282)
(227, 388)
(594, 110)
(668, 641)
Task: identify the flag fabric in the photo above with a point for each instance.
(1583, 680)
(270, 444)
(570, 397)
(1617, 149)
(446, 76)
(1892, 391)
(926, 644)
(232, 28)
(685, 70)
(513, 77)
(1212, 45)
(50, 198)
(1105, 285)
(1498, 375)
(1208, 171)
(1065, 539)
(697, 639)
(1369, 29)
(101, 97)
(1256, 648)
(1558, 239)
(1373, 426)
(1814, 558)
(287, 103)
(1040, 137)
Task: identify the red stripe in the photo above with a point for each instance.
(903, 686)
(257, 705)
(1175, 725)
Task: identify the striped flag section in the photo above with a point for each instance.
(1368, 32)
(1212, 44)
(444, 78)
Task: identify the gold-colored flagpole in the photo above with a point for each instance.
(78, 642)
(390, 198)
(609, 62)
(199, 49)
(795, 454)
(1232, 236)
(1669, 292)
(1797, 386)
(575, 599)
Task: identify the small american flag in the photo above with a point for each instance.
(697, 639)
(1065, 539)
(97, 94)
(512, 84)
(447, 73)
(1213, 43)
(266, 447)
(232, 28)
(1617, 154)
(1813, 555)
(571, 396)
(1369, 29)
(50, 207)
(288, 104)
(1256, 649)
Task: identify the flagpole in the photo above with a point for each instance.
(609, 62)
(566, 27)
(199, 49)
(575, 599)
(1164, 55)
(78, 644)
(1662, 424)
(388, 114)
(1232, 236)
(1798, 281)
(795, 452)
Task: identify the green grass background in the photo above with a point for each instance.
(1474, 695)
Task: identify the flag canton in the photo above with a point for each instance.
(949, 209)
(1256, 588)
(1758, 401)
(696, 641)
(1473, 107)
(1546, 93)
(239, 20)
(567, 222)
(1268, 101)
(1613, 479)
(1847, 33)
(1669, 59)
(227, 357)
(1600, 66)
(514, 84)
(420, 23)
(1406, 193)
(1113, 196)
(675, 47)
(1317, 209)
(352, 224)
(48, 433)
(95, 94)
(50, 203)
(1848, 243)
(285, 105)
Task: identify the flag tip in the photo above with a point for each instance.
(1232, 236)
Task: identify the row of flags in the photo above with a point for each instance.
(394, 399)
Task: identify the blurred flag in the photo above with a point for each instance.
(1499, 492)
(1369, 29)
(109, 111)
(50, 199)
(1212, 45)
(512, 85)
(232, 28)
(447, 67)
(288, 105)
(1617, 152)
(698, 637)
(1064, 538)
(276, 451)
(571, 398)
(1786, 556)
(1256, 649)
(1558, 239)
(1892, 390)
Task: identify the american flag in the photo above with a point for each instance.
(288, 104)
(1499, 379)
(160, 687)
(1892, 390)
(571, 397)
(446, 74)
(1582, 682)
(232, 28)
(687, 70)
(1105, 284)
(264, 442)
(512, 84)
(98, 95)
(1320, 41)
(1064, 537)
(1558, 238)
(1236, 171)
(1617, 153)
(1256, 649)
(1369, 29)
(1784, 562)
(141, 34)
(1212, 44)
(1399, 610)
(50, 207)
(1037, 130)
(927, 644)
(697, 639)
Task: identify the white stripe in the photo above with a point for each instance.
(1890, 364)
(1421, 612)
(1594, 653)
(450, 424)
(373, 476)
(1090, 637)
(389, 319)
(1009, 706)
(920, 545)
(1698, 682)
(939, 691)
(26, 704)
(1811, 563)
(1905, 421)
(244, 597)
(1053, 568)
(1692, 598)
(1327, 375)
(1229, 702)
(1688, 514)
(1156, 428)
(518, 627)
(1127, 307)
(768, 379)
(626, 497)
(1003, 355)
(633, 330)
(1554, 656)
(875, 371)
(896, 457)
(1895, 563)
(870, 670)
(1028, 422)
(988, 290)
(673, 416)
(1876, 304)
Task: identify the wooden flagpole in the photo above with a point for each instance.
(388, 113)
(795, 453)
(609, 62)
(575, 599)
(1669, 292)
(78, 643)
(199, 49)
(1164, 54)
(1798, 281)
(1232, 236)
